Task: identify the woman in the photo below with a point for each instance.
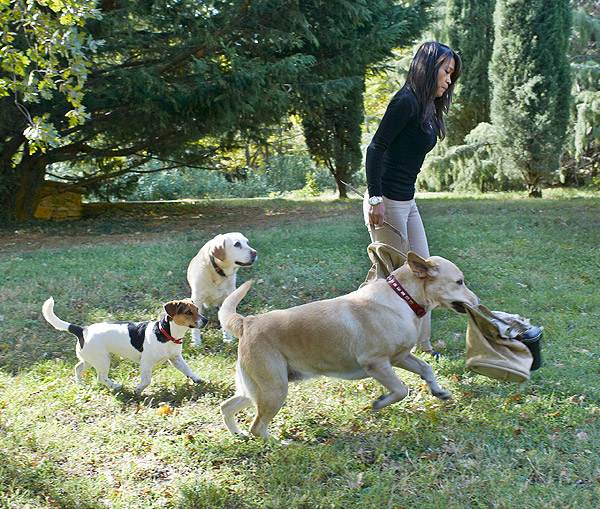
(408, 131)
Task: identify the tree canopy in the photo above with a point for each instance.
(330, 103)
(531, 85)
(173, 81)
(471, 104)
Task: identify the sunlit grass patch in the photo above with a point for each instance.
(493, 445)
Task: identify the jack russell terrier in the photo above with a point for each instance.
(148, 343)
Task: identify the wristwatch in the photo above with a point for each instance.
(375, 200)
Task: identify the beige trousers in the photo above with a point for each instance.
(405, 217)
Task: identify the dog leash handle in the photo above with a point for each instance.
(391, 227)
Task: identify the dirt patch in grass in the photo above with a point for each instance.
(123, 223)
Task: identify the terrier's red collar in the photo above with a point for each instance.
(168, 336)
(393, 282)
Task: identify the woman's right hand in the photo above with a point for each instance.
(377, 214)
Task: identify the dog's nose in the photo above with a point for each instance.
(202, 321)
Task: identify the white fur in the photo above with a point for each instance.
(101, 340)
(230, 251)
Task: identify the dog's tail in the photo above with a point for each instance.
(57, 323)
(229, 318)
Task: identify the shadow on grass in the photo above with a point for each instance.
(177, 396)
(25, 480)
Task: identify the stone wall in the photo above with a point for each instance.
(59, 202)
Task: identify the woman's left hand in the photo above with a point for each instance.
(376, 214)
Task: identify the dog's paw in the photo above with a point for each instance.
(114, 387)
(443, 394)
(380, 402)
(196, 337)
(228, 337)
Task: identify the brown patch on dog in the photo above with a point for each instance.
(183, 312)
(219, 252)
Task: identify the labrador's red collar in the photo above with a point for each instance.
(397, 287)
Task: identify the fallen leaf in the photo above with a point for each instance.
(164, 409)
(359, 480)
(450, 448)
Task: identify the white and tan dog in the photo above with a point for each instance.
(148, 343)
(212, 272)
(363, 334)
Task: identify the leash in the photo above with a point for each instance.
(390, 226)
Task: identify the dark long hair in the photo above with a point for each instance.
(422, 79)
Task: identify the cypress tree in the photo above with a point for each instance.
(350, 37)
(470, 32)
(531, 85)
(581, 160)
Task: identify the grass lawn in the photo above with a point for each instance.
(493, 445)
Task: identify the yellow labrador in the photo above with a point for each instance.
(212, 272)
(363, 334)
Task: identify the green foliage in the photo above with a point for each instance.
(45, 54)
(581, 162)
(168, 76)
(531, 85)
(282, 175)
(312, 186)
(470, 32)
(330, 103)
(475, 166)
(181, 82)
(333, 135)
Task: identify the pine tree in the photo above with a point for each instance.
(174, 83)
(531, 85)
(470, 32)
(350, 37)
(580, 164)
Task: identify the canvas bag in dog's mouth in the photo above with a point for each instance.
(492, 353)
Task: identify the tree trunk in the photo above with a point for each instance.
(533, 183)
(22, 197)
(341, 173)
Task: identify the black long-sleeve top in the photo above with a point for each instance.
(397, 150)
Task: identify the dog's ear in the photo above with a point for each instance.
(421, 267)
(171, 308)
(217, 249)
(187, 304)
